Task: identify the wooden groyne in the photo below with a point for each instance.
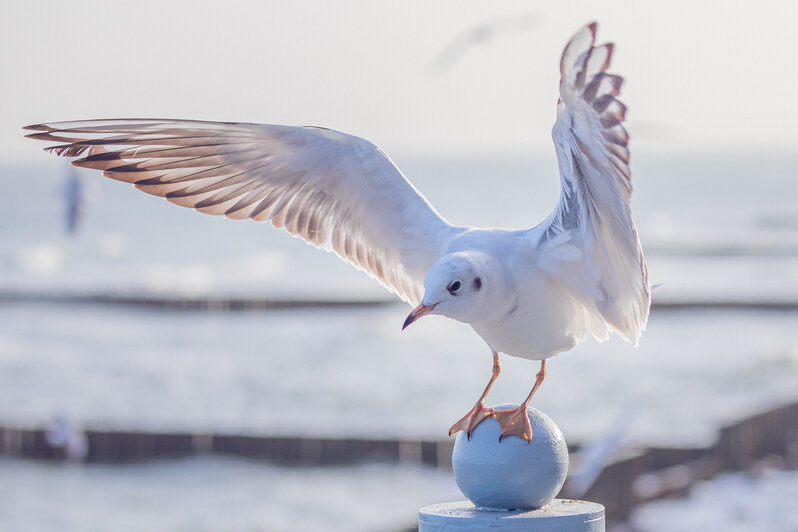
(222, 304)
(116, 447)
(190, 304)
(655, 473)
(638, 477)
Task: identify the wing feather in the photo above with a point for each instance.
(594, 214)
(336, 191)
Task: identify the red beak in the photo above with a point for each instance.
(417, 312)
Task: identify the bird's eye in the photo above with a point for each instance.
(454, 287)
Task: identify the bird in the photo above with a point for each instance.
(528, 293)
(482, 33)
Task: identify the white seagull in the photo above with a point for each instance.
(529, 293)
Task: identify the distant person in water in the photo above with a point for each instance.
(73, 201)
(66, 436)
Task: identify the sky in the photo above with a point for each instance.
(717, 77)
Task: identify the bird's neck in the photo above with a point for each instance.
(500, 293)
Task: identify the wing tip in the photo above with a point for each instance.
(584, 73)
(579, 39)
(42, 135)
(37, 127)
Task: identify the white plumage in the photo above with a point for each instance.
(529, 293)
(336, 191)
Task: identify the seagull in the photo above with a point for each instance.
(529, 293)
(480, 34)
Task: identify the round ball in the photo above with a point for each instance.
(512, 474)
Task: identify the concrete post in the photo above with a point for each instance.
(561, 515)
(512, 484)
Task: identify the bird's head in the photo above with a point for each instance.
(461, 286)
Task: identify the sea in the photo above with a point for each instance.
(720, 233)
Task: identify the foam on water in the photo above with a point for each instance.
(735, 502)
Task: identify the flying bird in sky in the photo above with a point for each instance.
(480, 34)
(529, 293)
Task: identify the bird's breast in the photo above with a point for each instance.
(544, 320)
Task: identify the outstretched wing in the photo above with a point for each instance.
(592, 226)
(336, 191)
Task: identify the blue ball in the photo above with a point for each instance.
(512, 474)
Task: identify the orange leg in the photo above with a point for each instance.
(479, 413)
(515, 422)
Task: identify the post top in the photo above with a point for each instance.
(562, 515)
(511, 473)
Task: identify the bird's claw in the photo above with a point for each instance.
(474, 417)
(514, 422)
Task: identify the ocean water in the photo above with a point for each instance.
(715, 230)
(718, 228)
(214, 494)
(357, 374)
(736, 502)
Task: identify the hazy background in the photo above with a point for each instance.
(700, 75)
(710, 89)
